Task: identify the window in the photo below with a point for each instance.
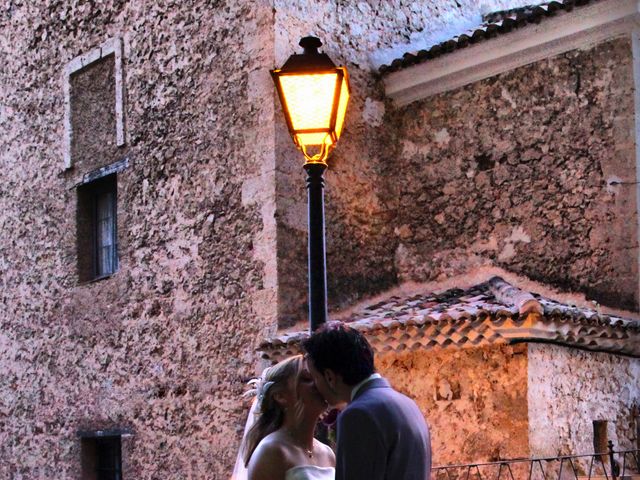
(102, 458)
(93, 81)
(96, 220)
(600, 438)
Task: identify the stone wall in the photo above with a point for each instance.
(475, 399)
(525, 400)
(532, 170)
(360, 209)
(569, 389)
(212, 214)
(163, 347)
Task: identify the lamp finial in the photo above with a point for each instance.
(310, 45)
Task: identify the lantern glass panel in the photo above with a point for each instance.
(314, 138)
(342, 106)
(309, 100)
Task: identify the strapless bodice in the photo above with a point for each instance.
(310, 472)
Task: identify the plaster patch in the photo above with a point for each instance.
(409, 149)
(256, 189)
(507, 96)
(518, 234)
(403, 232)
(373, 112)
(442, 137)
(507, 252)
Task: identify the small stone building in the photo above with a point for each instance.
(500, 372)
(153, 223)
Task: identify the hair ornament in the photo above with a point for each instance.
(259, 390)
(263, 389)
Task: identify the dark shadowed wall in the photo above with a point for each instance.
(532, 170)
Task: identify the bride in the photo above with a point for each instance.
(280, 444)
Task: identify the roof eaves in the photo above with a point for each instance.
(498, 23)
(515, 316)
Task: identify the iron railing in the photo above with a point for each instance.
(613, 465)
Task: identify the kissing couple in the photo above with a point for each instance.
(381, 433)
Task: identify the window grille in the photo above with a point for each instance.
(101, 455)
(108, 458)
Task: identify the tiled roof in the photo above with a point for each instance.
(496, 23)
(492, 312)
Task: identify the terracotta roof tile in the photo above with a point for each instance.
(492, 312)
(496, 23)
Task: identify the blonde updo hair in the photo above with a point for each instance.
(270, 414)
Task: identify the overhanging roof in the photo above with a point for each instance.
(494, 312)
(497, 47)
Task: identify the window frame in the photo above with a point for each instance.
(112, 46)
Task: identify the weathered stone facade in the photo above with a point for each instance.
(525, 400)
(163, 347)
(532, 170)
(212, 213)
(495, 173)
(360, 206)
(474, 399)
(569, 389)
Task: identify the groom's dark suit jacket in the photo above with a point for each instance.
(382, 435)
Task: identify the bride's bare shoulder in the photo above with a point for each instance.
(269, 460)
(328, 456)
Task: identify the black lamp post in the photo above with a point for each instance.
(314, 94)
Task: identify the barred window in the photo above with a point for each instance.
(102, 458)
(108, 459)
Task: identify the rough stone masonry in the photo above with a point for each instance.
(211, 207)
(162, 348)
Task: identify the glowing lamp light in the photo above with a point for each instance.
(314, 94)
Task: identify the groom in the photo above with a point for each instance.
(381, 433)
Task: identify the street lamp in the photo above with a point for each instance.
(314, 94)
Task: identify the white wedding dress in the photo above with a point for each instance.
(310, 472)
(302, 472)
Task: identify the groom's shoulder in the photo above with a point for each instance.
(359, 411)
(375, 396)
(385, 398)
(377, 389)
